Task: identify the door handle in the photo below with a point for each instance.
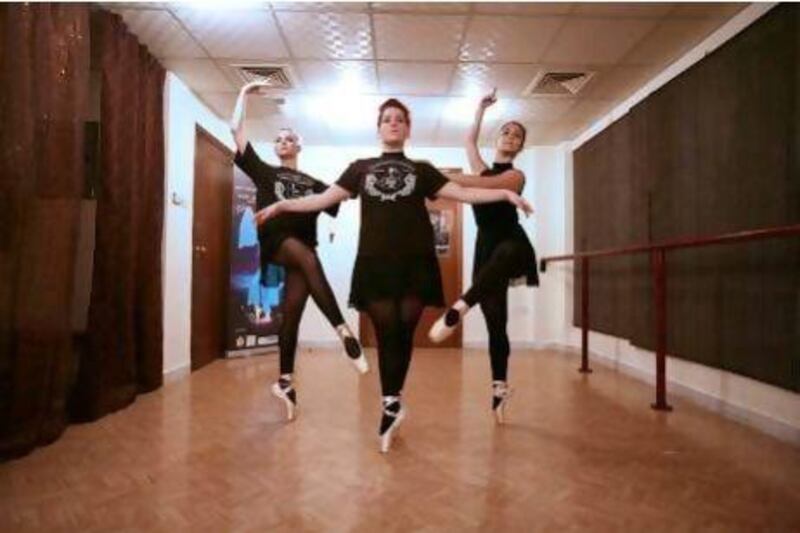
(200, 249)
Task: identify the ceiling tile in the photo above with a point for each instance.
(236, 33)
(161, 33)
(597, 41)
(707, 9)
(264, 130)
(422, 7)
(258, 107)
(232, 72)
(524, 8)
(327, 35)
(221, 103)
(586, 111)
(199, 74)
(425, 111)
(480, 78)
(414, 78)
(418, 37)
(623, 9)
(617, 83)
(344, 114)
(556, 133)
(320, 6)
(358, 76)
(116, 7)
(670, 40)
(538, 110)
(508, 38)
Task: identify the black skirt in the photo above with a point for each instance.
(526, 271)
(380, 278)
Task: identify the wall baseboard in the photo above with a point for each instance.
(776, 428)
(175, 374)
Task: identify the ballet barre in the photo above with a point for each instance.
(658, 270)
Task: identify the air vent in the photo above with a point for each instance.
(277, 76)
(558, 83)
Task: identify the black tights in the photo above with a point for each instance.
(490, 290)
(304, 276)
(495, 311)
(394, 321)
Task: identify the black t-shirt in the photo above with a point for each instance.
(496, 216)
(394, 220)
(281, 183)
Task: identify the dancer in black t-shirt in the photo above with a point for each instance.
(503, 253)
(396, 273)
(290, 241)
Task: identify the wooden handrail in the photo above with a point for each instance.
(658, 267)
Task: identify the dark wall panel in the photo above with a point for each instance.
(604, 219)
(713, 151)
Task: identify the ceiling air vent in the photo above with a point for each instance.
(558, 83)
(277, 76)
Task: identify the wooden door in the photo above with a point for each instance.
(211, 226)
(446, 218)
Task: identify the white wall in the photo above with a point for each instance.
(183, 112)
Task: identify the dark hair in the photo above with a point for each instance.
(524, 131)
(394, 102)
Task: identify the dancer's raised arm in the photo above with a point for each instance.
(476, 162)
(237, 120)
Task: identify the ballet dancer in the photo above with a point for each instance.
(290, 241)
(503, 253)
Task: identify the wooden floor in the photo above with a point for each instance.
(210, 452)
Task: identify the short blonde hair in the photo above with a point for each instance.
(297, 138)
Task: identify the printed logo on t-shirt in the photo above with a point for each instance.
(389, 180)
(289, 186)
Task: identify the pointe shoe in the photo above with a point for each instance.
(393, 415)
(352, 348)
(355, 354)
(501, 392)
(284, 390)
(445, 326)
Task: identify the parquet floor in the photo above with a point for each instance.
(210, 452)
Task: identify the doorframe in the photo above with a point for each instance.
(200, 131)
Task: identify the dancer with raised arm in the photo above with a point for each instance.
(290, 241)
(503, 253)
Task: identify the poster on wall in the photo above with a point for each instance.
(442, 222)
(255, 296)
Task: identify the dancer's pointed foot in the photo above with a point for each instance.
(393, 415)
(352, 348)
(448, 322)
(284, 390)
(501, 392)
